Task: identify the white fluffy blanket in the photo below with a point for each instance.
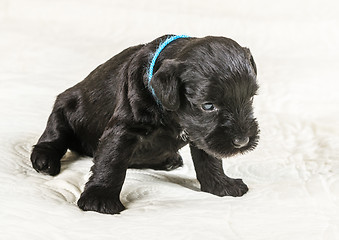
(47, 46)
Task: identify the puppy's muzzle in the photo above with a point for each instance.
(240, 142)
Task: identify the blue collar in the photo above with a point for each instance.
(156, 55)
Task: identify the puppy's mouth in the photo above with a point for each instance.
(227, 148)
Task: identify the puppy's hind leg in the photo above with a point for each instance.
(52, 144)
(171, 163)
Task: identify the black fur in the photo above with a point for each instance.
(112, 116)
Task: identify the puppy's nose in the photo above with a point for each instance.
(240, 142)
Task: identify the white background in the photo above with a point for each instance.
(47, 46)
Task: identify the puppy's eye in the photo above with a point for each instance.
(208, 107)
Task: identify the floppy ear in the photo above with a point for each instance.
(166, 82)
(250, 58)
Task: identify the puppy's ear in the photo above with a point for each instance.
(166, 82)
(250, 58)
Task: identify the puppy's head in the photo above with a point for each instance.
(210, 87)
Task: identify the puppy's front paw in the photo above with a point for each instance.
(97, 199)
(45, 160)
(227, 187)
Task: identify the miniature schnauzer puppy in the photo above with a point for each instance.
(124, 116)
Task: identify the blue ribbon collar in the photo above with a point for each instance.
(154, 59)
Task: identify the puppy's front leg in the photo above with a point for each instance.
(111, 159)
(212, 177)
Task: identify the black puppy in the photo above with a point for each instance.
(201, 94)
